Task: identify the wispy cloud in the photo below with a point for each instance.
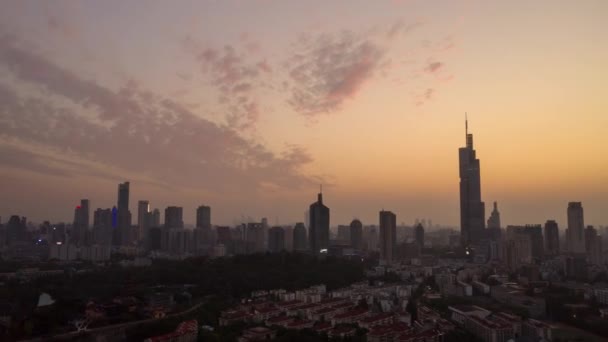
(329, 69)
(131, 129)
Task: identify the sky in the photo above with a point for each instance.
(248, 106)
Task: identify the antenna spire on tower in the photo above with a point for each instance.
(466, 124)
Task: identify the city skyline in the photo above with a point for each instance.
(386, 137)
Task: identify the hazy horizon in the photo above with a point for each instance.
(247, 106)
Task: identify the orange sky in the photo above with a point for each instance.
(248, 105)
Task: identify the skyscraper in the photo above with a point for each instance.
(299, 237)
(593, 246)
(494, 220)
(472, 209)
(551, 238)
(319, 226)
(123, 214)
(143, 219)
(80, 227)
(419, 234)
(174, 217)
(356, 234)
(203, 217)
(276, 239)
(155, 218)
(575, 238)
(388, 233)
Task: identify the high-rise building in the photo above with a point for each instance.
(203, 217)
(288, 238)
(593, 246)
(80, 227)
(174, 217)
(419, 235)
(123, 234)
(356, 234)
(319, 226)
(102, 226)
(551, 238)
(533, 233)
(343, 234)
(15, 229)
(575, 238)
(388, 232)
(494, 219)
(254, 235)
(155, 218)
(299, 237)
(276, 239)
(143, 219)
(472, 209)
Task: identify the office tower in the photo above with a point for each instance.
(575, 238)
(143, 220)
(356, 234)
(288, 238)
(254, 235)
(419, 234)
(472, 209)
(343, 234)
(593, 246)
(80, 226)
(102, 226)
(494, 220)
(516, 250)
(123, 216)
(15, 230)
(276, 239)
(155, 218)
(174, 217)
(319, 226)
(203, 217)
(536, 239)
(299, 237)
(551, 238)
(388, 231)
(533, 233)
(372, 238)
(223, 235)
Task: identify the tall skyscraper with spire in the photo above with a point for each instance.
(472, 209)
(319, 225)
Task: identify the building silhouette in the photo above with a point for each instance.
(388, 233)
(203, 217)
(472, 209)
(299, 237)
(551, 232)
(174, 217)
(123, 215)
(143, 219)
(80, 227)
(356, 234)
(419, 235)
(575, 238)
(318, 234)
(494, 219)
(276, 239)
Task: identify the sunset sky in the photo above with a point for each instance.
(247, 106)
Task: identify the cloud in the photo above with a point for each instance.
(433, 67)
(326, 71)
(235, 77)
(130, 130)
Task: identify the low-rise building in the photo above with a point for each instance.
(459, 313)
